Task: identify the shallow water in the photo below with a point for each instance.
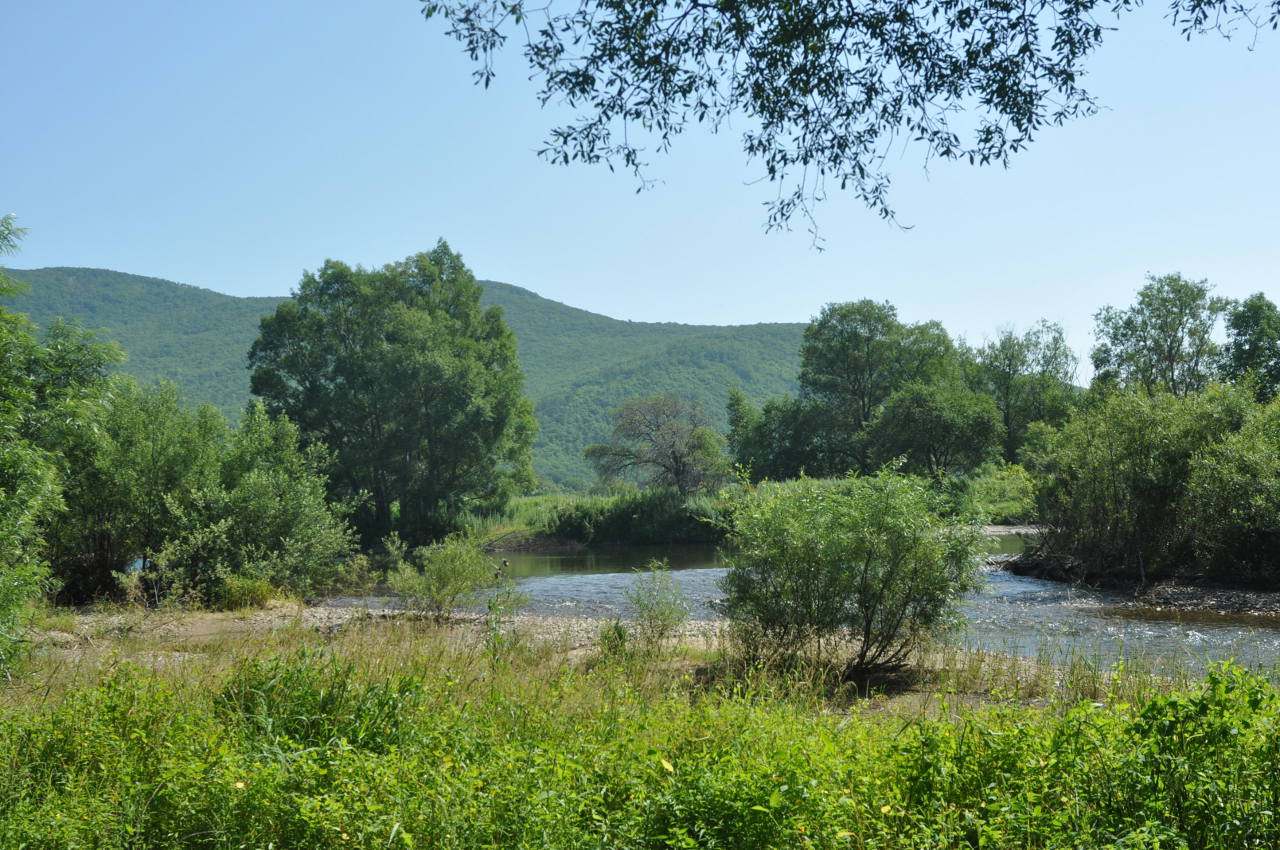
(1015, 614)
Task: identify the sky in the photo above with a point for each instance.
(234, 145)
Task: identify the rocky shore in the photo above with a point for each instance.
(1171, 596)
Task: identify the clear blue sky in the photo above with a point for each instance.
(232, 145)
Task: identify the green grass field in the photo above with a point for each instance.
(200, 731)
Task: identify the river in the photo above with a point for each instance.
(1014, 614)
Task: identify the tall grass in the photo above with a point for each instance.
(402, 734)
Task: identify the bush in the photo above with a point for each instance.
(266, 519)
(998, 493)
(867, 563)
(142, 462)
(1232, 504)
(436, 579)
(659, 605)
(235, 592)
(1113, 480)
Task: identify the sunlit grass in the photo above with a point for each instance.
(255, 730)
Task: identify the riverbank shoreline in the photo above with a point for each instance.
(67, 630)
(1165, 596)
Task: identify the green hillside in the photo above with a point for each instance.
(578, 365)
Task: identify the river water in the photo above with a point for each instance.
(1014, 614)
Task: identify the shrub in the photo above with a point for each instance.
(641, 518)
(141, 463)
(235, 592)
(867, 562)
(436, 579)
(659, 605)
(1232, 505)
(266, 519)
(1113, 480)
(1000, 493)
(614, 640)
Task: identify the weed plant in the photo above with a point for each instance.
(659, 607)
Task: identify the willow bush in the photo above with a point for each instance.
(868, 564)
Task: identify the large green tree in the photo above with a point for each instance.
(819, 90)
(412, 385)
(1165, 340)
(1253, 345)
(939, 427)
(854, 356)
(1029, 376)
(784, 438)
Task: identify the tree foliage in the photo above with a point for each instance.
(202, 506)
(868, 561)
(854, 356)
(785, 438)
(1253, 346)
(136, 469)
(1232, 505)
(1113, 480)
(28, 484)
(409, 382)
(47, 388)
(821, 90)
(665, 441)
(939, 428)
(264, 518)
(1165, 340)
(1029, 376)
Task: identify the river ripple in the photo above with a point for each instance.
(1015, 614)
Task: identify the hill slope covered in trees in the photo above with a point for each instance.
(578, 365)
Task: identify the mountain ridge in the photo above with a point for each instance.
(578, 365)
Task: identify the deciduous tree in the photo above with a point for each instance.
(1030, 377)
(1253, 346)
(1165, 340)
(854, 356)
(412, 385)
(664, 440)
(940, 427)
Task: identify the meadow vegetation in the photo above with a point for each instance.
(402, 733)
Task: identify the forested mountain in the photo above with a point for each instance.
(578, 365)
